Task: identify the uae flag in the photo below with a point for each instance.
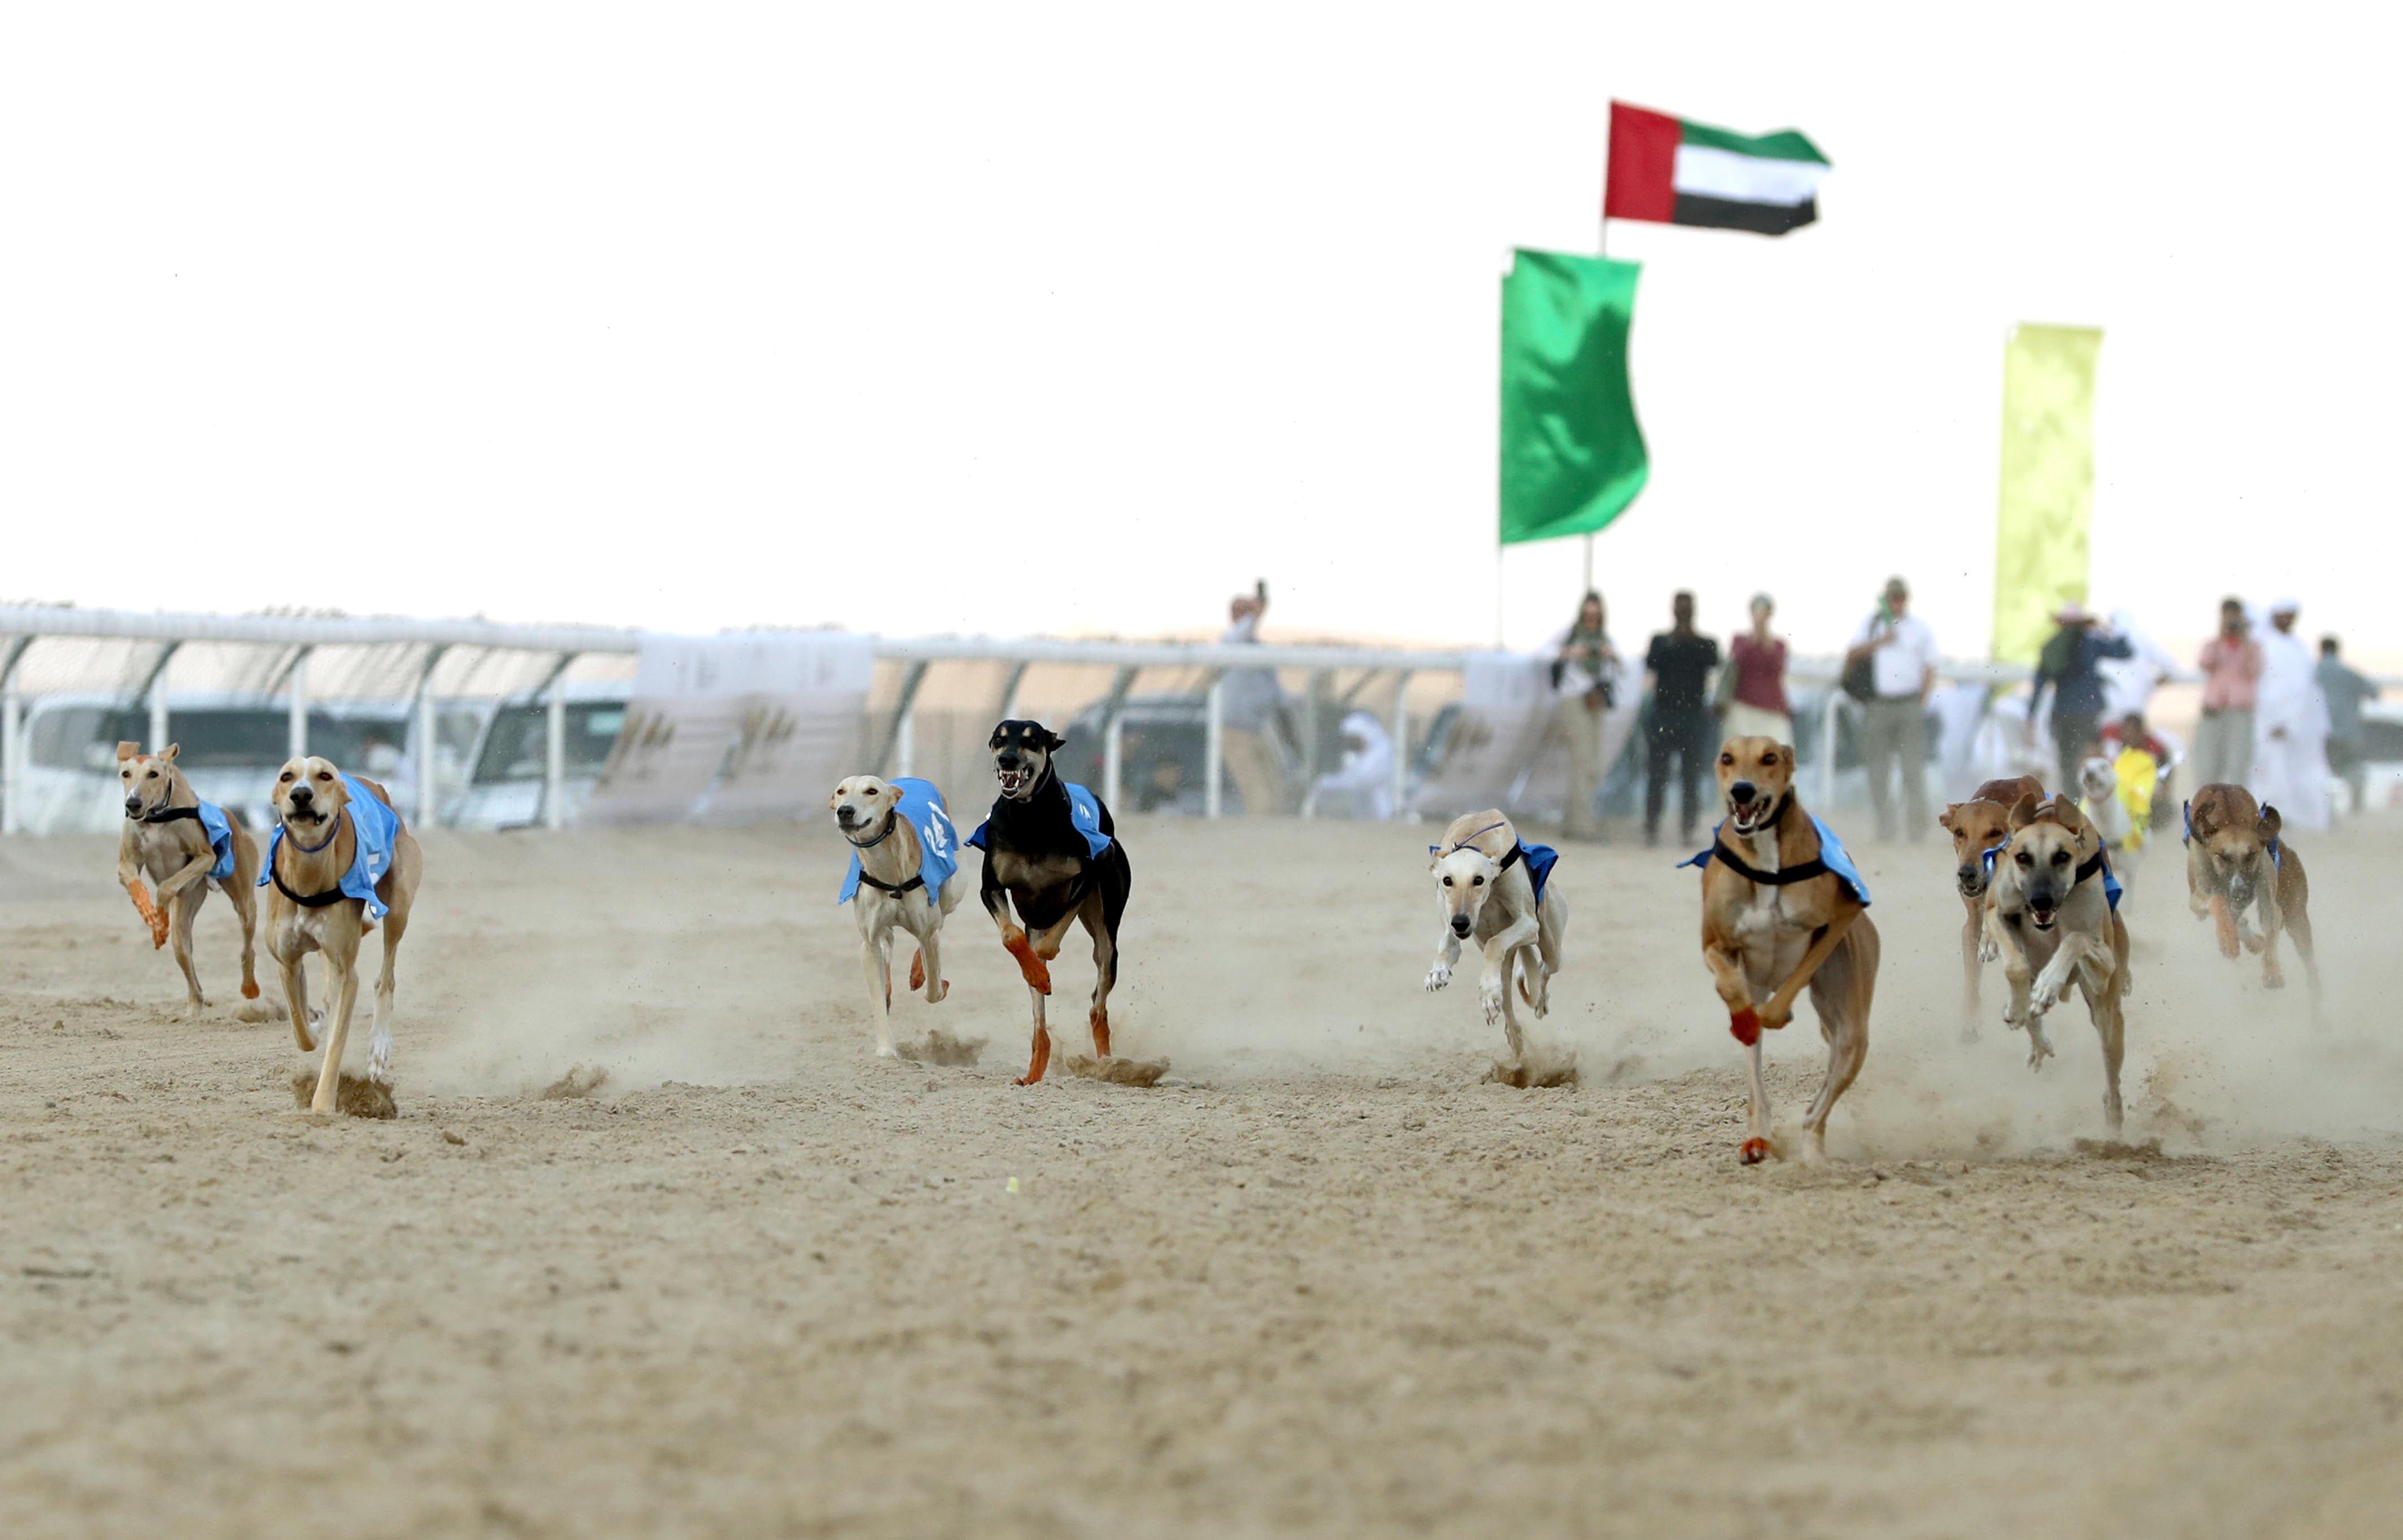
(1672, 172)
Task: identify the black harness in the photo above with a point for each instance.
(312, 900)
(2091, 865)
(889, 820)
(1802, 872)
(164, 815)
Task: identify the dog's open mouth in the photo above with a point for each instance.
(1748, 817)
(309, 817)
(1014, 779)
(2042, 919)
(1973, 889)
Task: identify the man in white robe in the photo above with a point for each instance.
(1363, 785)
(2290, 726)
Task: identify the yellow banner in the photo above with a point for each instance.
(2047, 494)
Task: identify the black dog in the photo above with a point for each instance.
(1051, 849)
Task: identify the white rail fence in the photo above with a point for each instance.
(423, 660)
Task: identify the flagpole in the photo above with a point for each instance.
(1601, 248)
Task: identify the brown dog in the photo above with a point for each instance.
(2050, 913)
(1780, 910)
(2236, 863)
(1981, 824)
(320, 862)
(167, 837)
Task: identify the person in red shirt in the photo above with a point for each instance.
(2232, 664)
(1752, 692)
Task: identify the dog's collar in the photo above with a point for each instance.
(312, 850)
(918, 881)
(889, 820)
(307, 900)
(1801, 872)
(164, 815)
(2091, 865)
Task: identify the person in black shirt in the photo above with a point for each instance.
(1679, 725)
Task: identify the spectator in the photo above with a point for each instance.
(1362, 786)
(1680, 660)
(2130, 731)
(2231, 665)
(2290, 727)
(2345, 690)
(1585, 670)
(1753, 685)
(2068, 665)
(1901, 654)
(2136, 760)
(1248, 702)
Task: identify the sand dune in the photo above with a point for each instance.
(1324, 1277)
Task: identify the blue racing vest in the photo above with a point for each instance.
(938, 844)
(375, 828)
(220, 833)
(1832, 856)
(1084, 810)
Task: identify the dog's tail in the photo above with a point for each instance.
(1526, 965)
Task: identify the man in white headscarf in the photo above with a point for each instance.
(1362, 786)
(2290, 726)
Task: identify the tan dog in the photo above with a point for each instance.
(893, 890)
(1485, 890)
(319, 848)
(2048, 914)
(164, 837)
(1981, 824)
(1776, 917)
(2237, 865)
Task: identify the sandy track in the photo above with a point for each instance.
(1321, 1279)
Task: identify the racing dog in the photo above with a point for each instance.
(2115, 826)
(2054, 913)
(2235, 863)
(185, 847)
(1492, 887)
(904, 851)
(1978, 825)
(1050, 850)
(1784, 906)
(341, 860)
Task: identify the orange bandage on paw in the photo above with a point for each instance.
(1029, 968)
(151, 916)
(1754, 1151)
(250, 991)
(1745, 1026)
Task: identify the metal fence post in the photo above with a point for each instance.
(296, 723)
(1214, 746)
(429, 748)
(1401, 731)
(554, 756)
(1825, 796)
(904, 743)
(1113, 758)
(1310, 733)
(12, 741)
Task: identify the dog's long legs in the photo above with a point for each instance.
(2298, 925)
(345, 995)
(926, 970)
(1042, 947)
(1106, 973)
(245, 900)
(2272, 976)
(2103, 996)
(1494, 981)
(1039, 1058)
(876, 961)
(996, 904)
(1972, 967)
(1447, 952)
(379, 1035)
(181, 910)
(1743, 1022)
(296, 999)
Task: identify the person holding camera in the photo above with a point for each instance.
(1585, 670)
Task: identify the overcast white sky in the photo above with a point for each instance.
(1026, 318)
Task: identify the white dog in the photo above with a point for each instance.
(1490, 886)
(2098, 788)
(904, 853)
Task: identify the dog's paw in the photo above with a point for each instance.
(1744, 1026)
(2044, 999)
(1987, 951)
(2038, 1049)
(886, 1050)
(1752, 1152)
(2273, 980)
(1491, 998)
(1438, 976)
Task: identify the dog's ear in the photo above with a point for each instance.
(1052, 742)
(127, 749)
(1787, 750)
(2271, 823)
(995, 741)
(173, 750)
(1950, 819)
(2069, 815)
(2023, 811)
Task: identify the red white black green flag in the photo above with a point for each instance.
(1672, 172)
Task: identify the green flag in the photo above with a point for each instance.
(1572, 455)
(2048, 483)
